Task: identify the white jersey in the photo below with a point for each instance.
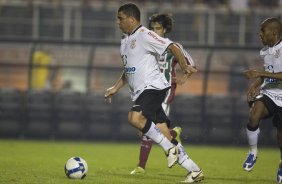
(272, 63)
(139, 52)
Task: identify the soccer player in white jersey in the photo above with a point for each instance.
(140, 48)
(162, 24)
(265, 93)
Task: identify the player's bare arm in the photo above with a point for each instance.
(187, 69)
(115, 88)
(255, 74)
(254, 88)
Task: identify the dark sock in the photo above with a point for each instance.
(145, 148)
(252, 128)
(147, 127)
(172, 133)
(173, 141)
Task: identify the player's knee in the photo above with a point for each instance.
(254, 118)
(279, 137)
(136, 119)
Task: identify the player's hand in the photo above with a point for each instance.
(252, 92)
(109, 93)
(189, 70)
(252, 74)
(181, 80)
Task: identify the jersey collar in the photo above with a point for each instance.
(277, 46)
(271, 50)
(135, 30)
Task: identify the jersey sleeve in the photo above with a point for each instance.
(154, 43)
(187, 56)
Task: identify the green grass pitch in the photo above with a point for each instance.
(42, 162)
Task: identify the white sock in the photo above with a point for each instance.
(156, 135)
(253, 140)
(185, 161)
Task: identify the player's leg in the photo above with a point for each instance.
(145, 149)
(176, 131)
(277, 122)
(279, 140)
(146, 144)
(142, 116)
(257, 112)
(194, 172)
(149, 129)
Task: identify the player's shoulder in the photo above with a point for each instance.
(123, 38)
(279, 44)
(179, 45)
(264, 51)
(143, 30)
(146, 33)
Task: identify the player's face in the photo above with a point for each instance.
(124, 22)
(158, 28)
(266, 35)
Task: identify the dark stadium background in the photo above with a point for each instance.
(82, 37)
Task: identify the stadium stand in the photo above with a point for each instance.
(11, 113)
(99, 117)
(39, 112)
(187, 112)
(69, 114)
(84, 40)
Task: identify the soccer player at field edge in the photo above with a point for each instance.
(148, 86)
(162, 24)
(265, 92)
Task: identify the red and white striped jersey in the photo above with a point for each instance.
(167, 64)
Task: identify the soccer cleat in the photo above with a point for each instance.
(138, 170)
(194, 176)
(279, 174)
(250, 162)
(178, 131)
(172, 156)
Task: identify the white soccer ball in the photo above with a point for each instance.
(76, 168)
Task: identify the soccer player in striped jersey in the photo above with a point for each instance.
(265, 93)
(139, 49)
(162, 24)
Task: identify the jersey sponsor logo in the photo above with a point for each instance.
(270, 80)
(130, 70)
(270, 69)
(155, 37)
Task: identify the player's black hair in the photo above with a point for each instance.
(275, 24)
(164, 19)
(130, 9)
